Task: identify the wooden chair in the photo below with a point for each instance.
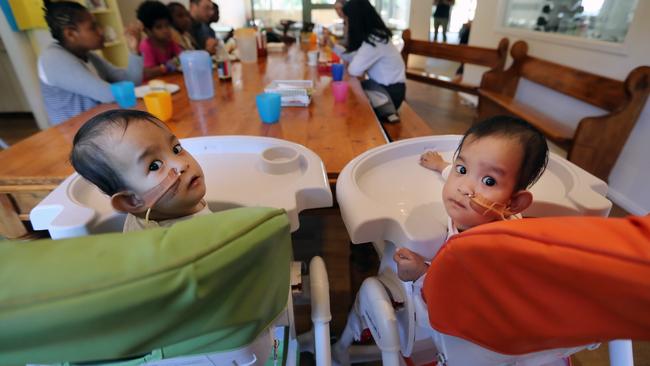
(597, 141)
(493, 58)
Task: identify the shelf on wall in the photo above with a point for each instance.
(101, 11)
(112, 43)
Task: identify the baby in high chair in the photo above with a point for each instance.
(495, 163)
(135, 159)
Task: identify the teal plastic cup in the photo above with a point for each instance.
(124, 93)
(269, 106)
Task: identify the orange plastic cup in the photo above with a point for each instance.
(159, 103)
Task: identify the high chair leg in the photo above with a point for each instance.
(320, 311)
(620, 353)
(340, 351)
(372, 309)
(377, 310)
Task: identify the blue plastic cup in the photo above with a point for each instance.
(337, 72)
(269, 106)
(124, 93)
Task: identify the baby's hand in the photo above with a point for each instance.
(433, 160)
(410, 265)
(171, 65)
(132, 35)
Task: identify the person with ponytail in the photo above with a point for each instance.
(370, 52)
(73, 78)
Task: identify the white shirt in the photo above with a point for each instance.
(134, 223)
(382, 62)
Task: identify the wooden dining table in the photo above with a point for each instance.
(337, 132)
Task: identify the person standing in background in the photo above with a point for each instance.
(202, 12)
(463, 39)
(441, 18)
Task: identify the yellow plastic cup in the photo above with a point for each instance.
(159, 103)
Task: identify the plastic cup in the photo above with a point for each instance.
(159, 103)
(337, 72)
(124, 93)
(197, 73)
(340, 91)
(246, 44)
(312, 58)
(269, 106)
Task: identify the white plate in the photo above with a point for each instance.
(142, 90)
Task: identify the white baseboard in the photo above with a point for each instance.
(626, 203)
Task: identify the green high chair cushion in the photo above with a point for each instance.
(212, 283)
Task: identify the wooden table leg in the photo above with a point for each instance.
(10, 225)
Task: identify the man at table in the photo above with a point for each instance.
(202, 13)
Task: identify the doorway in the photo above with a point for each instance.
(461, 12)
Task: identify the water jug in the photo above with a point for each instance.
(197, 72)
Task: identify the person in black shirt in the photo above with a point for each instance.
(463, 39)
(202, 13)
(441, 18)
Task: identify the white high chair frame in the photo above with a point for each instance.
(295, 179)
(380, 196)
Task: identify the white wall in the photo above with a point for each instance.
(233, 12)
(128, 8)
(630, 178)
(11, 96)
(23, 59)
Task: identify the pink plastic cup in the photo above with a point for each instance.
(340, 90)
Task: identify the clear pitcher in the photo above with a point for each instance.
(197, 72)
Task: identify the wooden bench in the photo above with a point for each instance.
(597, 141)
(410, 125)
(495, 59)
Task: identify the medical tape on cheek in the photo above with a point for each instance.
(154, 194)
(501, 209)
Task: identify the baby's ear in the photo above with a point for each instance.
(520, 201)
(127, 201)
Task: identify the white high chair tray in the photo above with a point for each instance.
(239, 171)
(384, 194)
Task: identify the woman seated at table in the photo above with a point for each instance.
(182, 23)
(74, 79)
(370, 51)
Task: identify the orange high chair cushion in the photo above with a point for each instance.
(527, 285)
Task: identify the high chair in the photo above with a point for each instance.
(239, 171)
(213, 290)
(389, 200)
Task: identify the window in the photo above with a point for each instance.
(270, 12)
(394, 12)
(604, 20)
